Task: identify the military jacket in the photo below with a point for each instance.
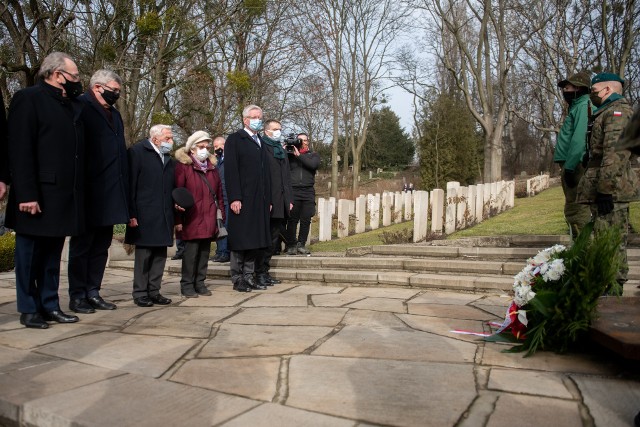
(630, 138)
(609, 171)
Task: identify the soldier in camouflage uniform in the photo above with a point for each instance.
(571, 145)
(609, 183)
(629, 146)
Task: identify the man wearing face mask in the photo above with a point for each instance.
(107, 181)
(609, 183)
(46, 200)
(222, 252)
(151, 212)
(281, 197)
(248, 185)
(571, 146)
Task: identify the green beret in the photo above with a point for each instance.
(580, 79)
(606, 77)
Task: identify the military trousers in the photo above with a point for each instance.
(577, 215)
(619, 217)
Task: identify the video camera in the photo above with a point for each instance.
(292, 141)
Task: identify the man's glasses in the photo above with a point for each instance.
(110, 88)
(75, 76)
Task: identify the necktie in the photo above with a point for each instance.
(255, 138)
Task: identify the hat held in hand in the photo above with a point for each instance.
(183, 197)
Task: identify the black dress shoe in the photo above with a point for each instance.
(272, 280)
(175, 257)
(33, 320)
(60, 317)
(224, 258)
(81, 305)
(251, 282)
(241, 286)
(143, 302)
(99, 304)
(159, 299)
(263, 280)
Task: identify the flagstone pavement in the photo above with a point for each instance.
(298, 354)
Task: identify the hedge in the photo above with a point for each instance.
(7, 250)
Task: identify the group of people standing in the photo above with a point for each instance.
(596, 148)
(71, 174)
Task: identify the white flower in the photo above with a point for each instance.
(522, 317)
(523, 294)
(554, 270)
(544, 264)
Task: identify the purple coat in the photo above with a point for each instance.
(198, 222)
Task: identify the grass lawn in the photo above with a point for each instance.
(541, 214)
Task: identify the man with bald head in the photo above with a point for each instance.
(46, 200)
(609, 183)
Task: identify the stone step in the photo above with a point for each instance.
(400, 271)
(471, 253)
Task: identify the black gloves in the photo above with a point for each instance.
(570, 178)
(605, 203)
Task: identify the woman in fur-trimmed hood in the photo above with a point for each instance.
(196, 171)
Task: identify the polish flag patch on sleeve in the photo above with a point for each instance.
(617, 113)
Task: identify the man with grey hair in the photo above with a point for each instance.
(151, 212)
(46, 200)
(107, 181)
(248, 185)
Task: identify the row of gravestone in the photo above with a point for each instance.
(458, 208)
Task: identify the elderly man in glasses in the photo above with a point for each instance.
(107, 192)
(46, 200)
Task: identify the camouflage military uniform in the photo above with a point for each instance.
(609, 172)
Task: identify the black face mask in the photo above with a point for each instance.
(595, 99)
(219, 152)
(109, 96)
(73, 89)
(570, 96)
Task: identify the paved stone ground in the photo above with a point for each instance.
(297, 355)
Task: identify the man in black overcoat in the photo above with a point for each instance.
(4, 151)
(248, 188)
(281, 198)
(107, 181)
(151, 213)
(46, 200)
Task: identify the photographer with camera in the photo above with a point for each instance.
(303, 164)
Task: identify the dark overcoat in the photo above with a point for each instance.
(46, 162)
(281, 192)
(150, 185)
(4, 150)
(106, 168)
(199, 221)
(247, 179)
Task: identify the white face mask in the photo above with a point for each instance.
(255, 124)
(165, 147)
(202, 154)
(276, 135)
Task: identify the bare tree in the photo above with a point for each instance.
(489, 35)
(321, 26)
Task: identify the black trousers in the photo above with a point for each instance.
(243, 263)
(302, 212)
(37, 270)
(148, 269)
(263, 261)
(195, 259)
(88, 254)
